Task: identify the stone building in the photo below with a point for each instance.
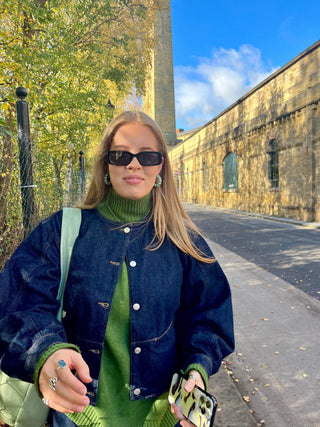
(262, 154)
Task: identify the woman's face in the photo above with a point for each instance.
(133, 181)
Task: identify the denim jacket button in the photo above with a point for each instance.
(137, 350)
(136, 306)
(133, 263)
(136, 391)
(126, 230)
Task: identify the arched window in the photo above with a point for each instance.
(230, 172)
(273, 164)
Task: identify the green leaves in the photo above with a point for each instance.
(72, 57)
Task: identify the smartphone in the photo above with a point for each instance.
(198, 405)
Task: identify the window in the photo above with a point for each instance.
(230, 172)
(273, 164)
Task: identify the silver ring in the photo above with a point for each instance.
(45, 401)
(52, 383)
(192, 377)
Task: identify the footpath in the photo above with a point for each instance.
(232, 410)
(272, 379)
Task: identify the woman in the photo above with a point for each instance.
(144, 297)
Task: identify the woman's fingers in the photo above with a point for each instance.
(194, 379)
(177, 413)
(186, 423)
(79, 365)
(74, 373)
(61, 388)
(70, 403)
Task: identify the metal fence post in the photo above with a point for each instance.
(81, 173)
(25, 159)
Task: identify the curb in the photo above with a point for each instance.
(312, 225)
(232, 410)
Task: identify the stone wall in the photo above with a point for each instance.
(284, 109)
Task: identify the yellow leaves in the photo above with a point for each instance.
(255, 389)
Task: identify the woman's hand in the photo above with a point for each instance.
(60, 388)
(194, 379)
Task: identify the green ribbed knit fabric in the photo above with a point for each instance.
(114, 408)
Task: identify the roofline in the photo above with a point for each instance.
(259, 86)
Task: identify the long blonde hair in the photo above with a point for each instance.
(168, 215)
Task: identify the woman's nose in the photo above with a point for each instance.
(134, 164)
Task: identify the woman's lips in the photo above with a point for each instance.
(133, 179)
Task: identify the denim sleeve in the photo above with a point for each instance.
(204, 322)
(28, 289)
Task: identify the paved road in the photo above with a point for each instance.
(275, 366)
(289, 251)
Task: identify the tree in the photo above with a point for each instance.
(72, 56)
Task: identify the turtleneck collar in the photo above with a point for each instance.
(119, 209)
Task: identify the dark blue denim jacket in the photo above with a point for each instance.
(180, 314)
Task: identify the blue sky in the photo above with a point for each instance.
(223, 48)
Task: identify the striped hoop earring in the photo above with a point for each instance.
(107, 179)
(158, 181)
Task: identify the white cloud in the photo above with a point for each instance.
(205, 90)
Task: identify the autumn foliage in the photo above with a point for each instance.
(72, 57)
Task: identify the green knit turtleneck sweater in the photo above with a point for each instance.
(119, 209)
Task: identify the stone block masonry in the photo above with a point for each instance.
(273, 134)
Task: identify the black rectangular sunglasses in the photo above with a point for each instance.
(124, 158)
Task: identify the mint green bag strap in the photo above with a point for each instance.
(71, 221)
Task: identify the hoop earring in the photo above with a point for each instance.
(158, 181)
(107, 179)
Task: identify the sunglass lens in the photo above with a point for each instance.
(149, 158)
(119, 158)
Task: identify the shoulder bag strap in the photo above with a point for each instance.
(71, 221)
